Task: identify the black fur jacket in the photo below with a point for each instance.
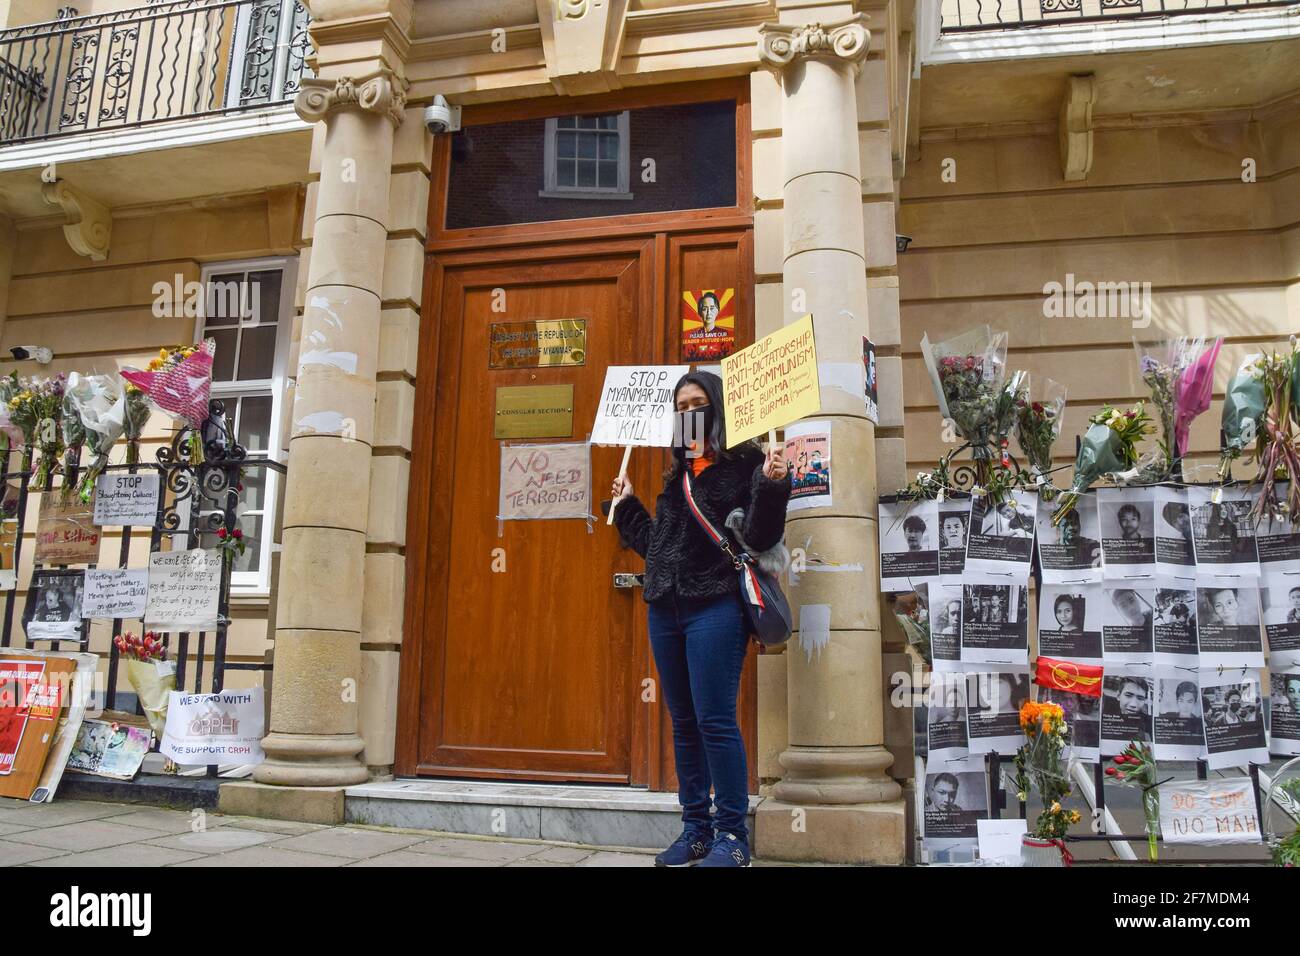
(679, 557)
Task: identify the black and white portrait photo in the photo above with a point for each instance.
(1179, 734)
(954, 801)
(1001, 536)
(1069, 622)
(946, 727)
(993, 714)
(1284, 729)
(909, 543)
(1126, 709)
(943, 601)
(1234, 722)
(1280, 607)
(1278, 540)
(1175, 555)
(54, 605)
(1083, 716)
(1229, 629)
(994, 622)
(1127, 615)
(1070, 550)
(954, 519)
(1128, 542)
(1175, 627)
(1222, 531)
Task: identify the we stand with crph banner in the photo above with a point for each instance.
(1162, 652)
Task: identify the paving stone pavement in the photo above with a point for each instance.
(93, 834)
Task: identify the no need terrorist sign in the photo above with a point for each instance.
(636, 405)
(772, 383)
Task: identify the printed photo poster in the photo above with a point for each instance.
(109, 749)
(1284, 723)
(993, 712)
(1128, 539)
(1069, 622)
(1001, 536)
(1176, 624)
(708, 324)
(1228, 629)
(17, 678)
(8, 548)
(954, 520)
(956, 799)
(994, 622)
(1179, 731)
(53, 611)
(808, 455)
(1083, 716)
(1234, 720)
(1071, 550)
(945, 602)
(1175, 553)
(1223, 533)
(1127, 616)
(1209, 812)
(1278, 541)
(909, 542)
(1280, 602)
(946, 721)
(184, 589)
(33, 694)
(871, 388)
(1126, 707)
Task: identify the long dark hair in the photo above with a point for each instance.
(717, 436)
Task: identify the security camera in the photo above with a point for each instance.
(902, 242)
(39, 353)
(441, 117)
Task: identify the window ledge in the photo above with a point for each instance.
(582, 194)
(250, 597)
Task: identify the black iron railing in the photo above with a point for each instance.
(961, 15)
(149, 64)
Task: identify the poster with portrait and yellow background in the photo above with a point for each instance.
(708, 324)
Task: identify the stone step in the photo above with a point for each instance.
(568, 813)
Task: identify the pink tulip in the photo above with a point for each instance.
(1192, 394)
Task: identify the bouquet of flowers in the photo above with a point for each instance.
(135, 416)
(74, 436)
(968, 373)
(913, 616)
(96, 400)
(1243, 410)
(1137, 767)
(1278, 448)
(35, 409)
(150, 674)
(1108, 446)
(1038, 423)
(178, 382)
(1013, 393)
(1039, 764)
(1180, 374)
(9, 432)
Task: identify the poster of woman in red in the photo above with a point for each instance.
(16, 680)
(708, 324)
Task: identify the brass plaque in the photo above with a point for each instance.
(534, 411)
(537, 344)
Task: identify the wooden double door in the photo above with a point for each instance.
(521, 658)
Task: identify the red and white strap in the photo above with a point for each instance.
(749, 580)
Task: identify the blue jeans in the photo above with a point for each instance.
(699, 647)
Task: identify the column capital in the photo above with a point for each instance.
(381, 91)
(780, 44)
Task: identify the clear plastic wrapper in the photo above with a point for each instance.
(97, 401)
(968, 372)
(1038, 424)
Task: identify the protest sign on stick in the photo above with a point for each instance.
(772, 383)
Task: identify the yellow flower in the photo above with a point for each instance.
(1056, 807)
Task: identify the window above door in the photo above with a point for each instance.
(587, 156)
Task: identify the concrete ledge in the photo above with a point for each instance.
(864, 833)
(304, 804)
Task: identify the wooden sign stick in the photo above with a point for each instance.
(622, 473)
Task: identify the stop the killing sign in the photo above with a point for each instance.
(636, 405)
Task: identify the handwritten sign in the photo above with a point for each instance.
(1209, 812)
(545, 481)
(772, 383)
(65, 531)
(636, 405)
(183, 590)
(215, 728)
(115, 592)
(126, 500)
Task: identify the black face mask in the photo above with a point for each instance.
(694, 425)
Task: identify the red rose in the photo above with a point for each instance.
(221, 533)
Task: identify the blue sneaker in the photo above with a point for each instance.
(688, 849)
(727, 850)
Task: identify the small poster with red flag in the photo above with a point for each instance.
(1069, 676)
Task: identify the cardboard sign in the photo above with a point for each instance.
(772, 383)
(115, 593)
(65, 531)
(184, 588)
(636, 405)
(126, 500)
(33, 694)
(215, 728)
(1209, 812)
(545, 481)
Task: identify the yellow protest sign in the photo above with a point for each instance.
(772, 383)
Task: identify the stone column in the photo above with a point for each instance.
(317, 673)
(835, 801)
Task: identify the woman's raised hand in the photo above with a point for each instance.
(774, 466)
(622, 487)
